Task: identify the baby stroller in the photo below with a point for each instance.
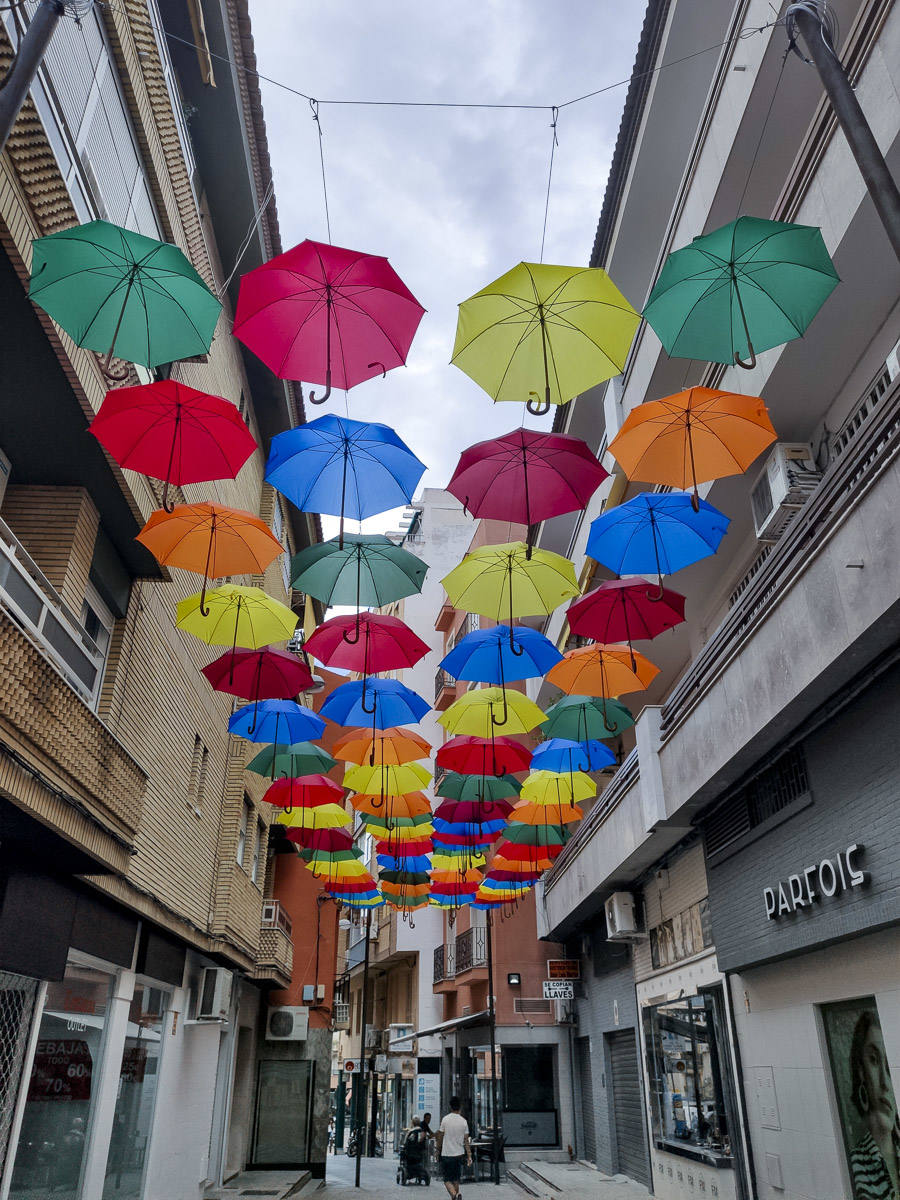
(413, 1158)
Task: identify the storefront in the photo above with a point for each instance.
(805, 905)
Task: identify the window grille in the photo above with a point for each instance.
(768, 794)
(17, 1000)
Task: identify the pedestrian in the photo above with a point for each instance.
(453, 1146)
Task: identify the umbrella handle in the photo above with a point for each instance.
(351, 641)
(749, 364)
(365, 707)
(537, 407)
(204, 611)
(109, 373)
(379, 364)
(494, 720)
(329, 302)
(751, 361)
(314, 399)
(253, 723)
(167, 507)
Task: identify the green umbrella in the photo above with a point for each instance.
(117, 292)
(580, 718)
(303, 758)
(478, 787)
(741, 289)
(536, 835)
(366, 569)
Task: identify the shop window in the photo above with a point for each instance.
(63, 1087)
(684, 1075)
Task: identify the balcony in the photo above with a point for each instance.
(275, 916)
(445, 618)
(471, 950)
(444, 690)
(341, 1015)
(444, 963)
(275, 960)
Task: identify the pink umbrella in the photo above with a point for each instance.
(367, 642)
(625, 610)
(264, 674)
(324, 314)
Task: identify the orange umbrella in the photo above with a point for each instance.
(212, 540)
(391, 747)
(693, 436)
(413, 804)
(527, 813)
(603, 671)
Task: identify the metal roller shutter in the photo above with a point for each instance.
(586, 1085)
(628, 1106)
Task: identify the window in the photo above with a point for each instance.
(246, 810)
(197, 777)
(257, 847)
(756, 807)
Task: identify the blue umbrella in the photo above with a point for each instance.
(274, 720)
(344, 468)
(501, 654)
(656, 533)
(379, 702)
(408, 863)
(561, 755)
(467, 828)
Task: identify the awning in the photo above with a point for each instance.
(451, 1026)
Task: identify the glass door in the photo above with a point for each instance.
(281, 1131)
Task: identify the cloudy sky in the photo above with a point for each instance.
(453, 197)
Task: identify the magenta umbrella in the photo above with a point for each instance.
(367, 642)
(625, 610)
(526, 476)
(324, 314)
(264, 674)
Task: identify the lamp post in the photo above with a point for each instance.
(30, 52)
(492, 1025)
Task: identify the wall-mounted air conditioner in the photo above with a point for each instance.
(215, 994)
(289, 1023)
(621, 920)
(782, 487)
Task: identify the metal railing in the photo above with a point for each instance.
(341, 1014)
(275, 916)
(442, 679)
(471, 950)
(444, 962)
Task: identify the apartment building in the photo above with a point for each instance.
(138, 943)
(733, 893)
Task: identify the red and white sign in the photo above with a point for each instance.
(351, 1066)
(62, 1070)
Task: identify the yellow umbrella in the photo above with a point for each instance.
(478, 713)
(387, 780)
(510, 580)
(549, 787)
(324, 816)
(237, 616)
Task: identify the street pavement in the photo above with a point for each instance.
(378, 1179)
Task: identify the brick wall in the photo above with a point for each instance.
(58, 527)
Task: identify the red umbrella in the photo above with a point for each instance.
(521, 852)
(174, 433)
(306, 791)
(368, 643)
(408, 849)
(328, 315)
(483, 756)
(473, 811)
(264, 674)
(526, 476)
(326, 840)
(626, 610)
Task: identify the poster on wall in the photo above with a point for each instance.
(865, 1096)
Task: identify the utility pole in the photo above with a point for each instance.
(359, 1106)
(492, 1025)
(31, 50)
(807, 19)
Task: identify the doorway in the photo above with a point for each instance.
(627, 1106)
(281, 1129)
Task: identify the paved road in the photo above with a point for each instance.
(378, 1179)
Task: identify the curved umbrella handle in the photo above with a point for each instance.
(167, 507)
(351, 641)
(204, 611)
(537, 407)
(108, 372)
(512, 644)
(749, 364)
(494, 720)
(314, 399)
(365, 707)
(379, 364)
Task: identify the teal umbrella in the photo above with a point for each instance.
(741, 289)
(488, 788)
(579, 718)
(303, 758)
(368, 569)
(118, 292)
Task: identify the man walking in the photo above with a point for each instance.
(453, 1146)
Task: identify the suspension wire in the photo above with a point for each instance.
(314, 105)
(762, 132)
(554, 143)
(245, 244)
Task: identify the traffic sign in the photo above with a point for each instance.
(559, 989)
(563, 968)
(351, 1066)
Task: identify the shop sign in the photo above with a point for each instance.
(559, 989)
(62, 1070)
(563, 968)
(814, 884)
(381, 1064)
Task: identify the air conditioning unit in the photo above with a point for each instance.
(782, 487)
(289, 1023)
(621, 922)
(215, 994)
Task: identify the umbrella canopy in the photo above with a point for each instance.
(380, 703)
(603, 671)
(392, 830)
(326, 839)
(236, 616)
(625, 610)
(325, 314)
(366, 569)
(466, 833)
(368, 643)
(550, 788)
(539, 857)
(118, 292)
(741, 289)
(414, 847)
(478, 788)
(302, 758)
(526, 813)
(510, 580)
(544, 835)
(544, 330)
(391, 747)
(473, 813)
(563, 754)
(390, 807)
(481, 756)
(693, 436)
(502, 654)
(479, 713)
(306, 791)
(344, 468)
(266, 673)
(579, 717)
(526, 476)
(656, 533)
(323, 816)
(387, 780)
(266, 720)
(173, 432)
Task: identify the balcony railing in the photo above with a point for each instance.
(444, 689)
(471, 950)
(444, 963)
(275, 916)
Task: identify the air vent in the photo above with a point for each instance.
(531, 1007)
(758, 802)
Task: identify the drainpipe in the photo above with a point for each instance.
(31, 50)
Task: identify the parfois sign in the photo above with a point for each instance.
(816, 883)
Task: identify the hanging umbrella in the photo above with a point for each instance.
(323, 816)
(550, 788)
(474, 813)
(399, 829)
(625, 610)
(212, 540)
(503, 654)
(173, 432)
(344, 468)
(415, 848)
(526, 813)
(579, 717)
(562, 754)
(539, 857)
(305, 791)
(544, 836)
(600, 670)
(383, 702)
(387, 780)
(366, 569)
(390, 746)
(656, 533)
(741, 289)
(324, 314)
(390, 807)
(510, 580)
(543, 329)
(263, 674)
(467, 833)
(118, 292)
(325, 839)
(265, 720)
(302, 758)
(367, 642)
(478, 713)
(480, 756)
(490, 788)
(236, 616)
(526, 476)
